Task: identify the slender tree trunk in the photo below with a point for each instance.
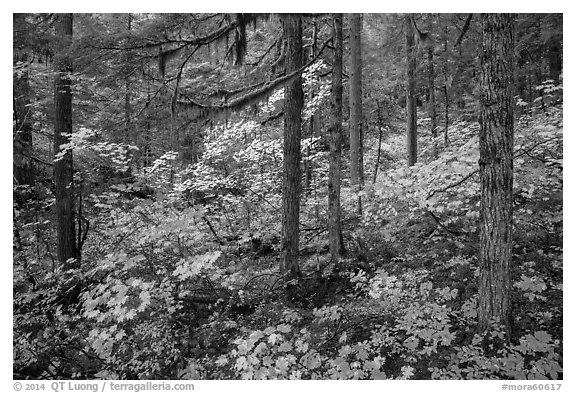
(147, 148)
(446, 87)
(496, 170)
(293, 102)
(312, 120)
(432, 91)
(23, 169)
(380, 126)
(530, 89)
(63, 166)
(128, 93)
(356, 118)
(334, 221)
(411, 116)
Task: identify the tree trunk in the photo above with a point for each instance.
(23, 169)
(496, 170)
(128, 93)
(446, 87)
(555, 59)
(313, 118)
(334, 221)
(380, 126)
(293, 102)
(411, 139)
(432, 92)
(147, 143)
(356, 119)
(63, 166)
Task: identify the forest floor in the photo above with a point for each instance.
(159, 298)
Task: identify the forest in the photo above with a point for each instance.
(223, 196)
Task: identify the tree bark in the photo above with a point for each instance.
(128, 93)
(23, 169)
(380, 132)
(335, 130)
(432, 92)
(446, 87)
(313, 118)
(411, 116)
(63, 167)
(555, 60)
(356, 118)
(147, 143)
(496, 169)
(293, 102)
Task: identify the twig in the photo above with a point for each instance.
(518, 153)
(272, 117)
(468, 176)
(264, 55)
(444, 226)
(212, 230)
(464, 30)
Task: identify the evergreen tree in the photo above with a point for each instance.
(22, 113)
(356, 119)
(496, 171)
(63, 166)
(293, 101)
(411, 117)
(335, 130)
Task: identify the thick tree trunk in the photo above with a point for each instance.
(293, 102)
(23, 169)
(334, 221)
(496, 170)
(63, 166)
(411, 139)
(356, 119)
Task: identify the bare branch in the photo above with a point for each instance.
(464, 30)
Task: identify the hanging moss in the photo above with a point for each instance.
(239, 26)
(198, 110)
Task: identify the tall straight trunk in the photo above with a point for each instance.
(147, 143)
(380, 126)
(128, 92)
(313, 117)
(334, 221)
(63, 167)
(411, 136)
(432, 91)
(356, 160)
(446, 87)
(23, 169)
(496, 170)
(293, 102)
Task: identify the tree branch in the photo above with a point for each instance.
(464, 30)
(203, 110)
(442, 225)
